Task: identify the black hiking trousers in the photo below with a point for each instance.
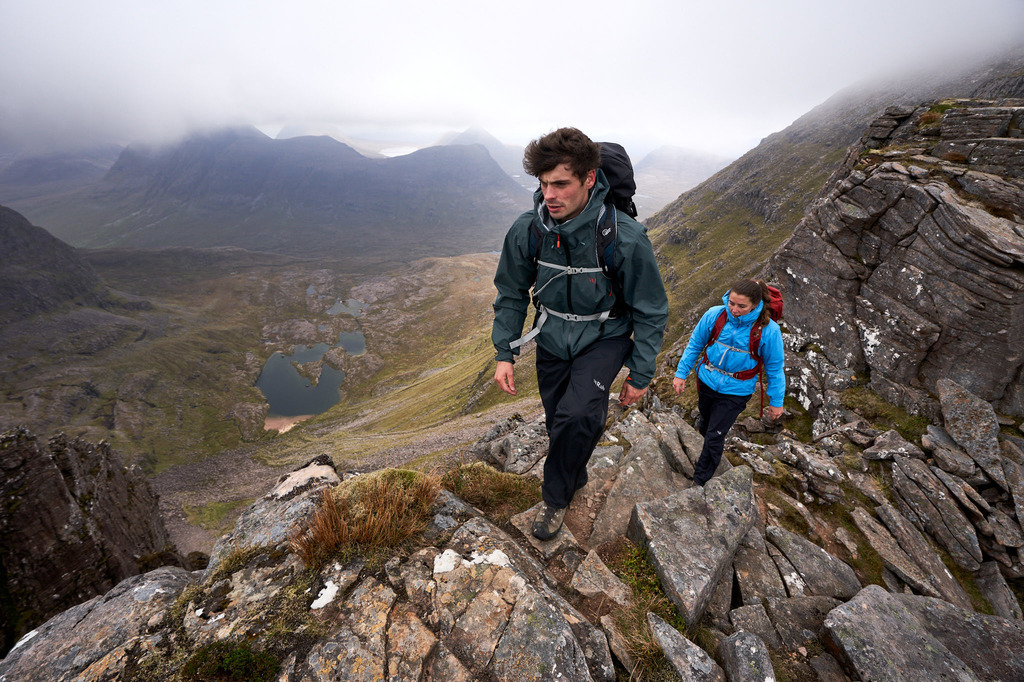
(718, 412)
(575, 397)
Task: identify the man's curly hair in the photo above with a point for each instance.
(565, 145)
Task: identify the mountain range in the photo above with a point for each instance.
(299, 196)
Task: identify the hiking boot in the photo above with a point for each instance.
(548, 522)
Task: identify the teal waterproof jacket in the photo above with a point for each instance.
(645, 306)
(731, 353)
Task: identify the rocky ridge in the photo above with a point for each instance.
(479, 600)
(858, 552)
(723, 228)
(40, 273)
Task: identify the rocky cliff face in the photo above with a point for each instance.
(725, 227)
(910, 265)
(73, 523)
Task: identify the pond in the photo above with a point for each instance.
(290, 394)
(350, 307)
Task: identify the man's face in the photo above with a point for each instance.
(564, 194)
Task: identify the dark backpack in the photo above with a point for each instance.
(619, 170)
(622, 186)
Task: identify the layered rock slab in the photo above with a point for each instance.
(823, 574)
(692, 536)
(882, 636)
(90, 641)
(972, 423)
(690, 662)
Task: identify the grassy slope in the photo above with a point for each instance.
(430, 325)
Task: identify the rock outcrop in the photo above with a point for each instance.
(883, 636)
(479, 601)
(910, 265)
(74, 523)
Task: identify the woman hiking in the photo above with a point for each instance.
(726, 369)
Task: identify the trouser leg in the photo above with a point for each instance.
(718, 412)
(575, 396)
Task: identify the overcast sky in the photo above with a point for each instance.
(716, 75)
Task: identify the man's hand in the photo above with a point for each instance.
(774, 413)
(504, 377)
(679, 385)
(630, 394)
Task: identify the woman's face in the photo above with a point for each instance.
(739, 305)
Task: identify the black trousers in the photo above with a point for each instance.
(575, 397)
(718, 412)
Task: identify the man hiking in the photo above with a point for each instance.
(587, 307)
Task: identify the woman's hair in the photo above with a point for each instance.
(757, 291)
(565, 145)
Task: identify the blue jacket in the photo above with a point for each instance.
(723, 354)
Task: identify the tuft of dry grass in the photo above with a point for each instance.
(366, 514)
(498, 494)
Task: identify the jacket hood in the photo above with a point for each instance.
(749, 318)
(587, 216)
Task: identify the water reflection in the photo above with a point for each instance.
(291, 394)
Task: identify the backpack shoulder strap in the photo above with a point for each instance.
(607, 230)
(717, 327)
(755, 341)
(536, 237)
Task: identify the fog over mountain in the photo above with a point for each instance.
(714, 77)
(667, 172)
(300, 196)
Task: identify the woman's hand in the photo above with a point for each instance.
(774, 413)
(679, 385)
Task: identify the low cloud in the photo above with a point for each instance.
(711, 76)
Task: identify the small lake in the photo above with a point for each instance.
(290, 394)
(350, 307)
